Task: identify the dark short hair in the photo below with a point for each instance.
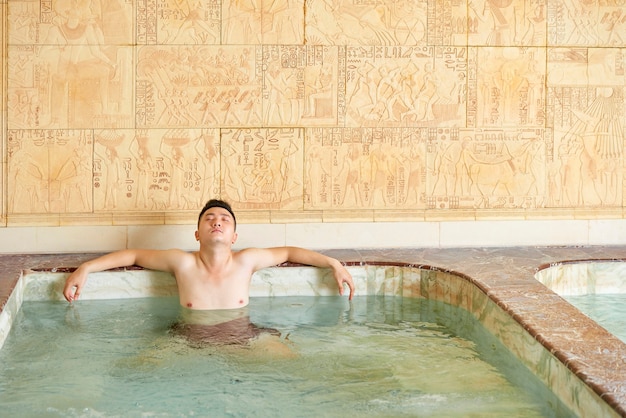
(216, 203)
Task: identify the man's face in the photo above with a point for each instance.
(216, 225)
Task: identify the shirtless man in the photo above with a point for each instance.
(215, 277)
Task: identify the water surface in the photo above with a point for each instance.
(374, 356)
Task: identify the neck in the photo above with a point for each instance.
(215, 257)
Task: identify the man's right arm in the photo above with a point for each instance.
(163, 260)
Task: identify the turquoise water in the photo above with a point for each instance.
(374, 356)
(608, 310)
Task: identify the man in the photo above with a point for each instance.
(215, 277)
(213, 282)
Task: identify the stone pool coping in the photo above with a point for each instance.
(505, 275)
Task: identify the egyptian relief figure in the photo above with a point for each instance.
(188, 22)
(354, 185)
(110, 174)
(586, 23)
(290, 171)
(71, 172)
(378, 168)
(24, 97)
(500, 20)
(242, 22)
(84, 70)
(447, 159)
(208, 151)
(282, 105)
(197, 85)
(76, 28)
(23, 20)
(333, 165)
(262, 168)
(414, 160)
(144, 161)
(366, 23)
(319, 94)
(317, 179)
(180, 150)
(386, 170)
(406, 90)
(283, 22)
(510, 87)
(534, 27)
(586, 108)
(300, 85)
(49, 171)
(614, 24)
(591, 152)
(27, 173)
(489, 169)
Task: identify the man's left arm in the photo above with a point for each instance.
(273, 256)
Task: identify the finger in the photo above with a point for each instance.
(340, 287)
(351, 286)
(71, 293)
(67, 293)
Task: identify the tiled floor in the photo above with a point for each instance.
(505, 274)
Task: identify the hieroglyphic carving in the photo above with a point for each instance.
(198, 86)
(356, 168)
(164, 169)
(77, 73)
(586, 102)
(283, 85)
(586, 23)
(262, 168)
(406, 86)
(25, 21)
(49, 171)
(370, 75)
(300, 85)
(146, 22)
(448, 23)
(510, 87)
(491, 169)
(343, 22)
(255, 22)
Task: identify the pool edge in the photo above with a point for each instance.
(513, 289)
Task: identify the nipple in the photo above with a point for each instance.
(241, 301)
(189, 304)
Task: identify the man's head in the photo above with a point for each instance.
(216, 203)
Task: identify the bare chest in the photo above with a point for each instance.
(210, 292)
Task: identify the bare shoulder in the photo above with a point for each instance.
(173, 253)
(166, 260)
(247, 255)
(182, 257)
(258, 258)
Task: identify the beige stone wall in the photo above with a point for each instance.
(125, 112)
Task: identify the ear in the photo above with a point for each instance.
(234, 238)
(197, 236)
